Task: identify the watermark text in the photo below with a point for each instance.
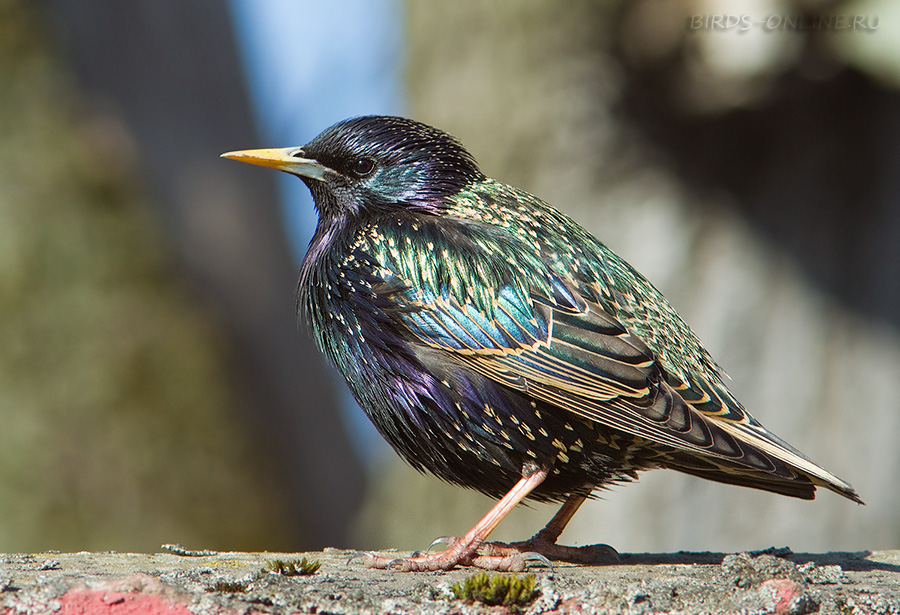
(783, 23)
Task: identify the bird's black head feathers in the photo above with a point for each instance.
(379, 162)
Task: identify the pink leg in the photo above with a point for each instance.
(464, 551)
(544, 542)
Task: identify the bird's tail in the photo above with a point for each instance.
(807, 474)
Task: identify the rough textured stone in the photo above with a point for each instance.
(774, 581)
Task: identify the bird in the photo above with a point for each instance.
(500, 346)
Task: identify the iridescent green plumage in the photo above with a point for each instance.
(559, 317)
(491, 338)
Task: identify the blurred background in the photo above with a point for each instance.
(155, 387)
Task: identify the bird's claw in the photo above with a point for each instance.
(446, 540)
(362, 554)
(534, 556)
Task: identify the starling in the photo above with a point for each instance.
(497, 344)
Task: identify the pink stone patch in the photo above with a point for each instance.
(83, 601)
(786, 593)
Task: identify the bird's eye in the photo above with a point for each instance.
(362, 166)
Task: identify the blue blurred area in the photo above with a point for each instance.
(309, 65)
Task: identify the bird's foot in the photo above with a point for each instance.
(459, 552)
(539, 545)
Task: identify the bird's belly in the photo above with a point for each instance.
(479, 434)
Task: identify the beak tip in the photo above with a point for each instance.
(284, 159)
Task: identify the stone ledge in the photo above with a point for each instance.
(773, 581)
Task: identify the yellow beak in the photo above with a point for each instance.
(288, 159)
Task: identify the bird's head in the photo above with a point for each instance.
(373, 164)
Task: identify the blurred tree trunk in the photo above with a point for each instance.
(119, 422)
(153, 384)
(770, 223)
(171, 69)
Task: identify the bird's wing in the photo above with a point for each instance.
(584, 361)
(499, 309)
(568, 351)
(578, 358)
